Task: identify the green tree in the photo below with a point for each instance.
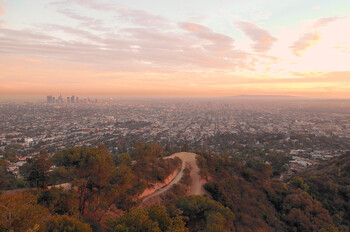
(20, 211)
(7, 179)
(59, 201)
(158, 214)
(202, 209)
(90, 169)
(302, 213)
(185, 148)
(153, 219)
(299, 182)
(124, 159)
(37, 170)
(148, 150)
(168, 149)
(121, 181)
(136, 220)
(64, 223)
(215, 222)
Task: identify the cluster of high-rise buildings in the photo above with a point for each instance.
(59, 99)
(52, 100)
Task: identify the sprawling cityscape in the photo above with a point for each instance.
(305, 130)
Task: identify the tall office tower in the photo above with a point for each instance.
(49, 99)
(72, 99)
(68, 99)
(60, 99)
(77, 99)
(53, 100)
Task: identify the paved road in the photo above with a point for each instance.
(196, 186)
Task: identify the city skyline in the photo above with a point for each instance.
(50, 99)
(175, 49)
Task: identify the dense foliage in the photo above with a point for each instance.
(153, 219)
(20, 212)
(104, 195)
(7, 179)
(329, 183)
(260, 202)
(36, 171)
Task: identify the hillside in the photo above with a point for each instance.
(329, 183)
(106, 194)
(259, 202)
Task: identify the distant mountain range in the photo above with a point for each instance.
(264, 96)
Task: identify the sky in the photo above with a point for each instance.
(175, 47)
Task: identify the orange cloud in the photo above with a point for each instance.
(313, 36)
(305, 41)
(30, 60)
(194, 27)
(262, 38)
(2, 7)
(324, 21)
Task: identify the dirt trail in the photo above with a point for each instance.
(196, 186)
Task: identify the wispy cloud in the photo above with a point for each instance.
(215, 42)
(123, 14)
(30, 60)
(130, 48)
(194, 27)
(79, 34)
(324, 21)
(141, 18)
(89, 4)
(259, 15)
(311, 37)
(83, 20)
(305, 41)
(262, 38)
(2, 7)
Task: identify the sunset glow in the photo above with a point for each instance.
(175, 48)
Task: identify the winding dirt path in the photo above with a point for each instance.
(196, 186)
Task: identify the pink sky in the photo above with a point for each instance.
(108, 48)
